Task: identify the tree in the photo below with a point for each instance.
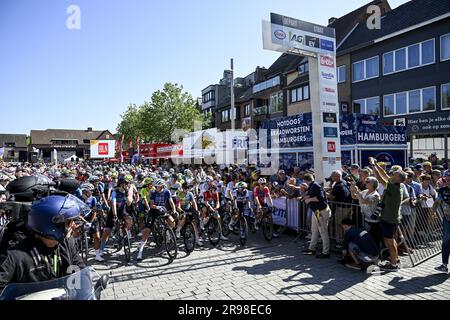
(168, 109)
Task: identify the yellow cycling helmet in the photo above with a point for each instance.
(128, 178)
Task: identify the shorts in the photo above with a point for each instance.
(388, 230)
(110, 219)
(95, 227)
(151, 217)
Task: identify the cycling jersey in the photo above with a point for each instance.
(241, 196)
(91, 202)
(185, 200)
(97, 193)
(160, 198)
(262, 194)
(211, 197)
(121, 200)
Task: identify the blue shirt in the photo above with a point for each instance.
(160, 198)
(416, 187)
(120, 198)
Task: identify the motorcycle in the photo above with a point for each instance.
(77, 286)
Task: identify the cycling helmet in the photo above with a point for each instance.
(171, 170)
(141, 176)
(87, 187)
(94, 179)
(188, 172)
(49, 215)
(242, 185)
(152, 175)
(147, 181)
(128, 178)
(97, 173)
(159, 183)
(165, 175)
(121, 181)
(209, 179)
(114, 175)
(262, 180)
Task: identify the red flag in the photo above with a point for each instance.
(137, 144)
(121, 147)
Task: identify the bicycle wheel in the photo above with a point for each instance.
(226, 218)
(267, 226)
(170, 243)
(157, 234)
(243, 231)
(189, 237)
(214, 230)
(126, 244)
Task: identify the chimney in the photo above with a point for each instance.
(331, 20)
(89, 129)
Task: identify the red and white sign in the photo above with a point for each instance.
(331, 146)
(103, 149)
(327, 61)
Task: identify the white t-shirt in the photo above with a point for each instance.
(369, 209)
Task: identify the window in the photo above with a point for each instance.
(401, 103)
(209, 96)
(400, 59)
(246, 110)
(445, 96)
(300, 94)
(372, 66)
(266, 84)
(388, 62)
(428, 52)
(341, 74)
(366, 69)
(389, 105)
(225, 115)
(305, 92)
(414, 101)
(445, 47)
(367, 106)
(413, 56)
(429, 99)
(358, 71)
(276, 102)
(303, 68)
(373, 106)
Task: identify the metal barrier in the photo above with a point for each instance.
(419, 236)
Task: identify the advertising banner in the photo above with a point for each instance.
(288, 34)
(103, 149)
(285, 212)
(390, 157)
(293, 132)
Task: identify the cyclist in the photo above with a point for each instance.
(240, 199)
(210, 203)
(47, 253)
(159, 198)
(261, 195)
(91, 201)
(120, 199)
(186, 203)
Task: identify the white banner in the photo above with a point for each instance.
(103, 149)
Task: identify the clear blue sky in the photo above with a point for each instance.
(53, 77)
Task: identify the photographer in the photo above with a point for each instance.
(340, 194)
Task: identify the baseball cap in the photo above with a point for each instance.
(355, 166)
(427, 164)
(418, 167)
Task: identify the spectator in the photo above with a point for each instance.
(354, 171)
(292, 190)
(369, 200)
(280, 177)
(390, 214)
(434, 159)
(436, 179)
(298, 175)
(418, 171)
(427, 192)
(340, 193)
(359, 245)
(442, 206)
(316, 199)
(427, 168)
(363, 175)
(278, 190)
(447, 172)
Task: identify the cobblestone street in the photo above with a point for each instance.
(264, 270)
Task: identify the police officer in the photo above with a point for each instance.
(47, 253)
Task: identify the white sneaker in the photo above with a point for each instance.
(256, 226)
(99, 258)
(200, 242)
(222, 237)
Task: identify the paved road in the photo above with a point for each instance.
(264, 270)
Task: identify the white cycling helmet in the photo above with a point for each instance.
(159, 183)
(94, 179)
(87, 187)
(209, 179)
(262, 180)
(242, 185)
